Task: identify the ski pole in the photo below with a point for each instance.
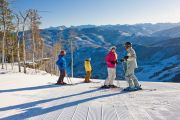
(118, 83)
(124, 73)
(69, 80)
(123, 69)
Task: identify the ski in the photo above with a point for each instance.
(139, 90)
(105, 88)
(50, 83)
(122, 89)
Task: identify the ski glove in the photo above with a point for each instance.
(113, 62)
(122, 60)
(126, 57)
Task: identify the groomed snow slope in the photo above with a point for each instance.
(33, 97)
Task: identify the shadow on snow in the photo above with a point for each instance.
(30, 88)
(30, 110)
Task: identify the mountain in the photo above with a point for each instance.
(57, 28)
(142, 29)
(84, 26)
(158, 53)
(168, 42)
(170, 33)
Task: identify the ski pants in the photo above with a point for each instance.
(88, 76)
(111, 76)
(61, 77)
(131, 78)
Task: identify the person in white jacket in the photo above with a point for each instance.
(130, 59)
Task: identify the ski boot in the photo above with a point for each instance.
(105, 87)
(138, 88)
(112, 86)
(129, 89)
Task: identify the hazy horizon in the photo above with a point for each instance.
(116, 24)
(102, 12)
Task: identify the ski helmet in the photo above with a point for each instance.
(88, 59)
(128, 44)
(112, 47)
(62, 52)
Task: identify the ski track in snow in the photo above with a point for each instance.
(32, 97)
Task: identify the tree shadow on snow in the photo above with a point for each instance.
(30, 88)
(30, 110)
(32, 104)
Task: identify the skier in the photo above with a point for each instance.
(111, 61)
(88, 69)
(61, 63)
(130, 59)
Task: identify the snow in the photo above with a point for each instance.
(149, 70)
(125, 33)
(32, 96)
(101, 38)
(57, 28)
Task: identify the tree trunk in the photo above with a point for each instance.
(18, 51)
(12, 57)
(33, 58)
(24, 43)
(24, 50)
(72, 60)
(5, 59)
(3, 44)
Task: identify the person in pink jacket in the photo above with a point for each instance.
(111, 61)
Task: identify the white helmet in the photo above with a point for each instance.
(112, 47)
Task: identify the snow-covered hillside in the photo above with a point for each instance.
(152, 42)
(32, 96)
(167, 70)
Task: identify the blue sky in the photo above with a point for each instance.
(102, 12)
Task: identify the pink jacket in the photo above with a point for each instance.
(109, 58)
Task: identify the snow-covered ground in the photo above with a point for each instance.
(32, 96)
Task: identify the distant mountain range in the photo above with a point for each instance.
(157, 46)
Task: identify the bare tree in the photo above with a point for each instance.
(10, 46)
(72, 37)
(24, 17)
(56, 49)
(32, 17)
(5, 19)
(36, 39)
(17, 17)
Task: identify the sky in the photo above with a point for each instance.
(101, 12)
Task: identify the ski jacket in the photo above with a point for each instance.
(87, 65)
(61, 62)
(131, 61)
(111, 57)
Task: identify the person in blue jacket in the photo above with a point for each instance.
(61, 63)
